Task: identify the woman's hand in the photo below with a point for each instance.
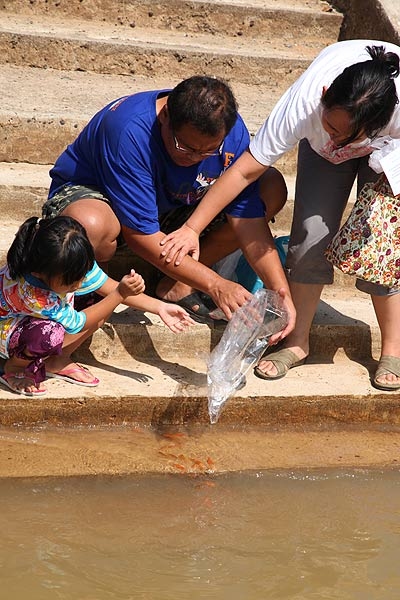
(175, 317)
(179, 243)
(291, 311)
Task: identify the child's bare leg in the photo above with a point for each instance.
(63, 364)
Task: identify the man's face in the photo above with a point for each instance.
(187, 146)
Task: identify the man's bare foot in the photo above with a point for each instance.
(170, 290)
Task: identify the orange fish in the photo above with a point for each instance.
(179, 467)
(167, 454)
(173, 436)
(197, 463)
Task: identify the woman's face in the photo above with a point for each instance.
(336, 122)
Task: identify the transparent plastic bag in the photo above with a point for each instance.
(385, 146)
(244, 340)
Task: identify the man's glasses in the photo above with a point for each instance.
(192, 151)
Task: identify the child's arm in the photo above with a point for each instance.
(174, 316)
(114, 294)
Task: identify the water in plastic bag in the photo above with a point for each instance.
(244, 340)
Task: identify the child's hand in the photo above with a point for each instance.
(175, 317)
(131, 285)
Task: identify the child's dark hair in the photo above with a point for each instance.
(367, 92)
(56, 246)
(205, 102)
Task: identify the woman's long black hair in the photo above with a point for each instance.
(367, 92)
(56, 246)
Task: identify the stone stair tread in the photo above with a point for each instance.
(36, 93)
(307, 6)
(202, 452)
(132, 378)
(24, 175)
(175, 393)
(99, 31)
(160, 371)
(21, 6)
(27, 175)
(24, 187)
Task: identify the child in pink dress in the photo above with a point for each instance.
(49, 263)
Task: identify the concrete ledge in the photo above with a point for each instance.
(152, 377)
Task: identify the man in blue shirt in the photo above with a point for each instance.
(149, 158)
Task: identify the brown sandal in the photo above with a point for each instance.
(387, 364)
(283, 360)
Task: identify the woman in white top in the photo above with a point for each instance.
(338, 111)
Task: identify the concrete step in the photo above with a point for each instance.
(153, 378)
(24, 188)
(201, 453)
(100, 47)
(313, 19)
(43, 110)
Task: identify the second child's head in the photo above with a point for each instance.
(56, 250)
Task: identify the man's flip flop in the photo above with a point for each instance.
(202, 313)
(5, 380)
(65, 375)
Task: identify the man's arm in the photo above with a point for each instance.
(257, 244)
(227, 295)
(228, 186)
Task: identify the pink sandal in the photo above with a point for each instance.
(65, 375)
(5, 380)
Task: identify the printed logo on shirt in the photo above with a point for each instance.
(337, 155)
(229, 156)
(196, 194)
(117, 103)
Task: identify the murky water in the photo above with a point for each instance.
(257, 536)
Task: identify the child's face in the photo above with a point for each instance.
(56, 284)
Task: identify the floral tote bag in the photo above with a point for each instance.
(368, 244)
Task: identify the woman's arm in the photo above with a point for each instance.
(232, 182)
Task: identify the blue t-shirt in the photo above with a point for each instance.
(121, 153)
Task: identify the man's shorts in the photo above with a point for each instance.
(68, 194)
(170, 221)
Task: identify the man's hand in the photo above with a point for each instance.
(229, 296)
(179, 243)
